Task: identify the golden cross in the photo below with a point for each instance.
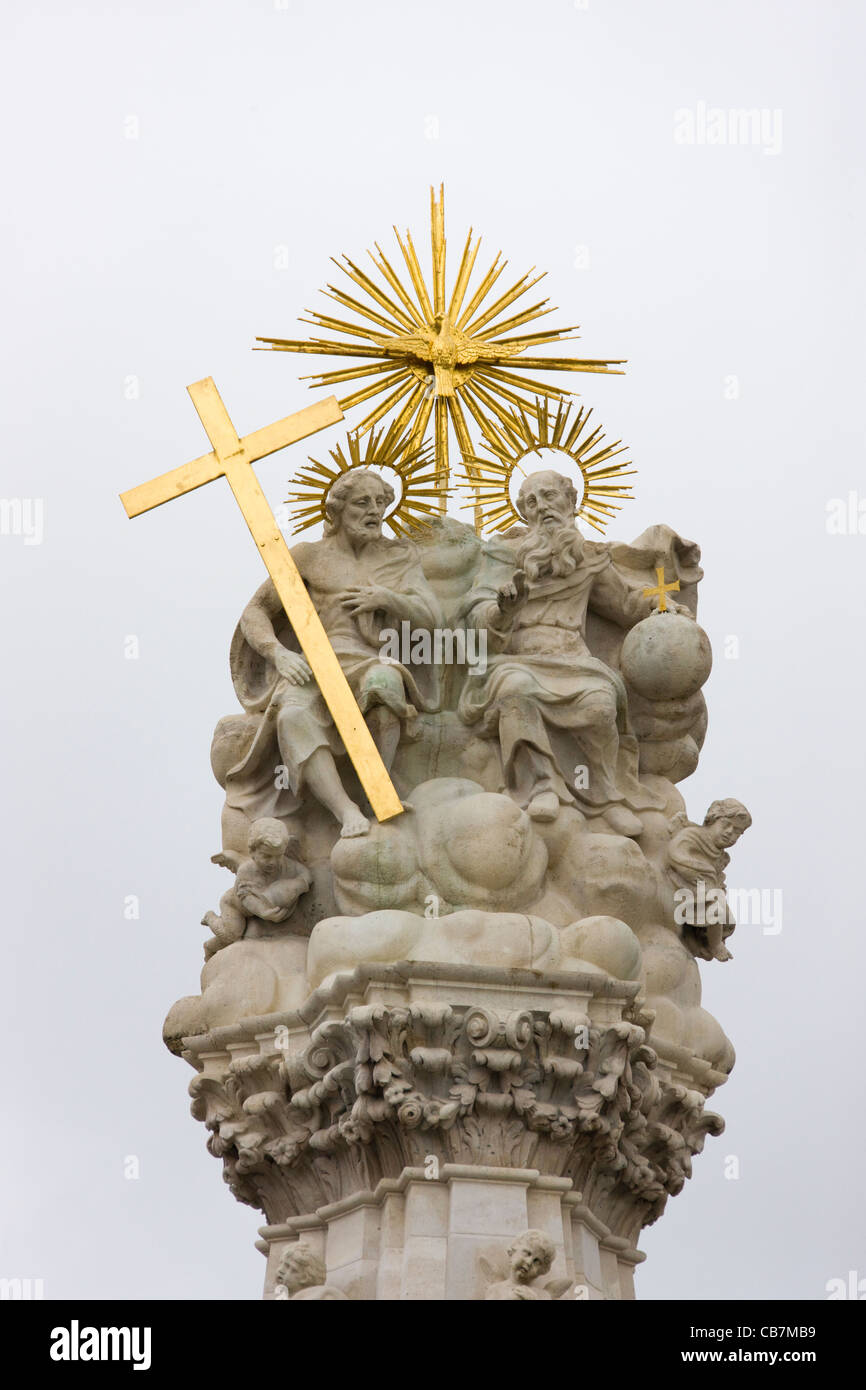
(662, 590)
(232, 458)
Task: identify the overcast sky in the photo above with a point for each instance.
(177, 176)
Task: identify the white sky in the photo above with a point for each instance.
(306, 126)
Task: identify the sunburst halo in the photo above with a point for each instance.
(512, 443)
(413, 466)
(464, 359)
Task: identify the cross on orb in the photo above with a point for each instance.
(662, 590)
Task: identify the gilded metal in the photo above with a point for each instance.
(232, 458)
(662, 590)
(424, 347)
(515, 437)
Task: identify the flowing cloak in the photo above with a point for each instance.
(690, 860)
(546, 639)
(252, 786)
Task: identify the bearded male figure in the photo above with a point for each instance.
(532, 596)
(360, 582)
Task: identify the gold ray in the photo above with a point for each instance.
(473, 367)
(411, 259)
(536, 311)
(441, 425)
(384, 265)
(348, 302)
(349, 373)
(484, 288)
(322, 346)
(504, 300)
(464, 274)
(537, 427)
(340, 326)
(381, 410)
(364, 282)
(375, 389)
(525, 382)
(437, 241)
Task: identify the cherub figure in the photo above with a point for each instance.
(267, 885)
(697, 859)
(530, 1256)
(302, 1277)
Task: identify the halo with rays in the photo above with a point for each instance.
(422, 352)
(391, 449)
(513, 440)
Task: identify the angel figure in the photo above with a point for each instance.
(267, 886)
(530, 1256)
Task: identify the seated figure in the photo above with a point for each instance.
(267, 886)
(697, 855)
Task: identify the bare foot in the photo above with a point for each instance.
(211, 920)
(623, 822)
(354, 823)
(723, 954)
(543, 807)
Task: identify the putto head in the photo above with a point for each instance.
(301, 1268)
(531, 1255)
(730, 818)
(269, 840)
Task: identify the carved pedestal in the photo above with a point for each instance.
(410, 1120)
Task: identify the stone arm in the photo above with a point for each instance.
(489, 607)
(613, 598)
(416, 601)
(258, 619)
(286, 891)
(258, 627)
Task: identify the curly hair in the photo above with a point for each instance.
(301, 1268)
(543, 1244)
(732, 810)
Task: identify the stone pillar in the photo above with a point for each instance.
(409, 1121)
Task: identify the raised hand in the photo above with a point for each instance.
(510, 596)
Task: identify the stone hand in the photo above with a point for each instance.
(292, 666)
(673, 607)
(366, 598)
(510, 596)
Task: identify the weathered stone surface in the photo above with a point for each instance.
(504, 977)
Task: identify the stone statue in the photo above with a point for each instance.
(530, 1256)
(482, 1013)
(360, 582)
(532, 597)
(302, 1277)
(697, 859)
(266, 888)
(495, 979)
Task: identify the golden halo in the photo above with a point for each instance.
(512, 440)
(391, 449)
(431, 360)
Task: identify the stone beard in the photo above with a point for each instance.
(359, 581)
(545, 678)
